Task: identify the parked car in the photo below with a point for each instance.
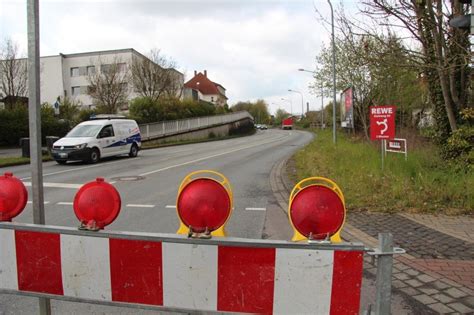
(91, 140)
(263, 127)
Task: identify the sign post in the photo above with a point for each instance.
(382, 125)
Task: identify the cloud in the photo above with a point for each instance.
(253, 48)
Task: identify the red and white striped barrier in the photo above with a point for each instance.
(237, 275)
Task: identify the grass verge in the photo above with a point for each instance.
(12, 161)
(423, 183)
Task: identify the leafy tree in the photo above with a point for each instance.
(258, 109)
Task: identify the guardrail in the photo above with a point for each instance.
(165, 128)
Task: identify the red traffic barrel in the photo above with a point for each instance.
(204, 203)
(13, 197)
(317, 210)
(97, 204)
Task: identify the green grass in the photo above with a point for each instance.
(11, 161)
(424, 183)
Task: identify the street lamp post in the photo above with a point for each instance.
(322, 96)
(333, 76)
(291, 104)
(302, 105)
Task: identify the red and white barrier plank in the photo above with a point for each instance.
(174, 272)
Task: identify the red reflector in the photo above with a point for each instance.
(13, 197)
(203, 203)
(317, 210)
(97, 203)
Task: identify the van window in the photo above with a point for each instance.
(83, 131)
(107, 131)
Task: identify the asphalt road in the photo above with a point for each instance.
(148, 203)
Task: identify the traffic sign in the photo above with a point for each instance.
(382, 122)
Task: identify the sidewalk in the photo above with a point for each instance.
(438, 268)
(10, 152)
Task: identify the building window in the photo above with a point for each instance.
(90, 70)
(212, 99)
(122, 67)
(75, 90)
(74, 72)
(105, 68)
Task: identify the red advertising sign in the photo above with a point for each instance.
(382, 122)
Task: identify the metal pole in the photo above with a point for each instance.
(34, 116)
(382, 144)
(333, 76)
(383, 284)
(322, 107)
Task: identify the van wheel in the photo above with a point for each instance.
(133, 151)
(94, 156)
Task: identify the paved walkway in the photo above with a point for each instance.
(438, 268)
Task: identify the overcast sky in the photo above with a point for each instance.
(252, 47)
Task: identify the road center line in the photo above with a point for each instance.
(170, 207)
(210, 157)
(256, 209)
(131, 205)
(65, 203)
(57, 185)
(31, 202)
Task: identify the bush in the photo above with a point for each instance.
(15, 125)
(145, 110)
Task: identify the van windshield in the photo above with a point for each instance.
(84, 131)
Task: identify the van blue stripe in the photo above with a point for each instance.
(135, 138)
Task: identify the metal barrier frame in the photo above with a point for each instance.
(168, 238)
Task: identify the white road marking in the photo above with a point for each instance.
(65, 203)
(170, 207)
(131, 205)
(256, 209)
(82, 168)
(208, 157)
(57, 185)
(31, 202)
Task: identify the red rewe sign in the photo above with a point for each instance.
(382, 122)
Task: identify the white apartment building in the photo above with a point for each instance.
(67, 74)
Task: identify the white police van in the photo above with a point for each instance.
(91, 140)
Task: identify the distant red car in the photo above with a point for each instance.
(287, 123)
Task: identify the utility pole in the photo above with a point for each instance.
(333, 76)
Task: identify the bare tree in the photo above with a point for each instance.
(13, 71)
(108, 86)
(155, 76)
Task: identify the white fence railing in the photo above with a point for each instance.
(171, 127)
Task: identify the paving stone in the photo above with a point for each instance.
(461, 308)
(414, 283)
(425, 299)
(417, 239)
(468, 300)
(441, 308)
(428, 291)
(410, 291)
(443, 298)
(425, 278)
(412, 272)
(398, 284)
(440, 285)
(455, 293)
(401, 276)
(401, 266)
